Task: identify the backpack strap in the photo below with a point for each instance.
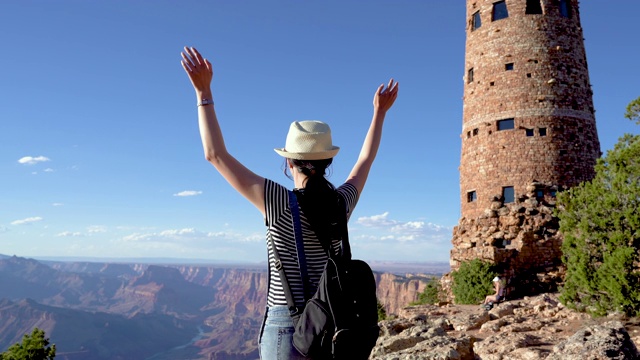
(344, 232)
(293, 309)
(297, 232)
(345, 247)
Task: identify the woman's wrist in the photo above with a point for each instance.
(206, 94)
(379, 111)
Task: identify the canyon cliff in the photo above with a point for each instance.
(137, 311)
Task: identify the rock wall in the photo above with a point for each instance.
(396, 292)
(528, 109)
(522, 238)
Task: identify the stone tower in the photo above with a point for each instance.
(528, 129)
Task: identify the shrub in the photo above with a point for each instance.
(34, 346)
(431, 294)
(472, 282)
(600, 223)
(382, 313)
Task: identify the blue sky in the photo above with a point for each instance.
(99, 148)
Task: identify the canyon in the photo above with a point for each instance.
(104, 310)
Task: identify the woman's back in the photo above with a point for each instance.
(279, 228)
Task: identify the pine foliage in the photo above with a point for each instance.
(431, 294)
(472, 282)
(633, 111)
(382, 313)
(600, 221)
(34, 346)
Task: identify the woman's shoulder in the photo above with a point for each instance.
(276, 201)
(348, 191)
(271, 185)
(347, 188)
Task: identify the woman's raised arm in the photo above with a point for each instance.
(247, 183)
(382, 102)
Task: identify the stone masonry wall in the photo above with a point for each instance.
(531, 68)
(522, 238)
(528, 131)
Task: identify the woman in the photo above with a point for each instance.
(498, 287)
(308, 152)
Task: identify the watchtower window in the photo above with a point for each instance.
(472, 196)
(475, 131)
(533, 7)
(508, 194)
(508, 66)
(499, 11)
(542, 131)
(565, 8)
(529, 132)
(475, 20)
(470, 76)
(506, 124)
(539, 194)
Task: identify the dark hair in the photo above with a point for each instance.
(318, 198)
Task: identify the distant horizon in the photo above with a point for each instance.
(376, 265)
(190, 260)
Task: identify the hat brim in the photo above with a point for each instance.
(328, 154)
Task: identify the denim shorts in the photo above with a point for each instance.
(276, 339)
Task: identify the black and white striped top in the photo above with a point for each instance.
(280, 228)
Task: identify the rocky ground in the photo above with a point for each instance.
(532, 328)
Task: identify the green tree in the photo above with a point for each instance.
(382, 313)
(600, 222)
(633, 111)
(33, 347)
(472, 282)
(431, 294)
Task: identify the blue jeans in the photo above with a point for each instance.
(276, 340)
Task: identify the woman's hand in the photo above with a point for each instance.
(198, 69)
(384, 98)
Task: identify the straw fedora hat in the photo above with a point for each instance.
(308, 140)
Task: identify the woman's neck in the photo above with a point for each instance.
(298, 179)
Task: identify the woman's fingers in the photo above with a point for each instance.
(394, 89)
(186, 62)
(193, 60)
(197, 56)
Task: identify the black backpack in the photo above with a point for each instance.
(340, 321)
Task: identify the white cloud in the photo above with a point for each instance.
(188, 193)
(27, 221)
(94, 229)
(48, 170)
(190, 232)
(191, 237)
(57, 204)
(30, 160)
(191, 242)
(387, 229)
(68, 234)
(376, 220)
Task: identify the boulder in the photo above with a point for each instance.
(598, 342)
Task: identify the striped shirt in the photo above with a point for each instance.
(279, 227)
